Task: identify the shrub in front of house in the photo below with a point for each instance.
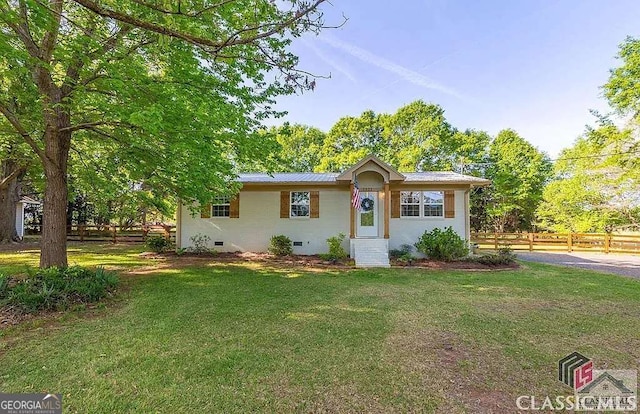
(444, 245)
(200, 244)
(281, 245)
(336, 251)
(157, 243)
(56, 288)
(403, 254)
(503, 256)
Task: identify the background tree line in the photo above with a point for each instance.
(593, 186)
(419, 138)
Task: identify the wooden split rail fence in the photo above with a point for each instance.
(118, 234)
(595, 242)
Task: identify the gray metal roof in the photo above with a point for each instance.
(442, 176)
(418, 177)
(288, 178)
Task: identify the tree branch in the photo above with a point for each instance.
(23, 132)
(4, 183)
(75, 66)
(110, 43)
(95, 75)
(50, 36)
(93, 125)
(180, 12)
(195, 40)
(22, 31)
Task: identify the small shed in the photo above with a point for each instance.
(20, 205)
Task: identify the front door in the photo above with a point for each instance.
(368, 214)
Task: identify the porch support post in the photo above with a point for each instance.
(387, 212)
(352, 231)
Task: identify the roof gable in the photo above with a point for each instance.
(370, 163)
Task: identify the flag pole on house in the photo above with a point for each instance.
(355, 200)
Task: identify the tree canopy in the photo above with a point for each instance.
(518, 172)
(597, 183)
(417, 137)
(167, 93)
(597, 179)
(623, 87)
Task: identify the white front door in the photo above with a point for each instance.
(368, 214)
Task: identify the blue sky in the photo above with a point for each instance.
(534, 66)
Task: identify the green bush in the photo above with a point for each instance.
(404, 250)
(403, 254)
(200, 244)
(336, 251)
(57, 288)
(503, 256)
(157, 243)
(442, 245)
(281, 245)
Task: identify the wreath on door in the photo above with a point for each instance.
(366, 204)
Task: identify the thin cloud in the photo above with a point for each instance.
(405, 73)
(329, 61)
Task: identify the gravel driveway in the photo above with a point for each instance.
(625, 265)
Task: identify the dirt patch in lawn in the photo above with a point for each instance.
(452, 369)
(16, 247)
(10, 316)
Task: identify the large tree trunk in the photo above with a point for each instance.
(9, 196)
(54, 219)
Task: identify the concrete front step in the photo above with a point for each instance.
(370, 252)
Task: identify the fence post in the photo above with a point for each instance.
(531, 242)
(570, 242)
(167, 232)
(115, 230)
(607, 242)
(495, 240)
(81, 232)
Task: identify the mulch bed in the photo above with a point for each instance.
(311, 261)
(10, 316)
(458, 265)
(247, 257)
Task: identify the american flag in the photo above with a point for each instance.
(355, 201)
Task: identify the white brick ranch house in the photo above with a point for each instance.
(311, 207)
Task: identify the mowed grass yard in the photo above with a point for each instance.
(189, 335)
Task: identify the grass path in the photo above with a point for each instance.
(243, 337)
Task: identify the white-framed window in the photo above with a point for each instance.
(299, 206)
(220, 206)
(422, 204)
(410, 203)
(433, 203)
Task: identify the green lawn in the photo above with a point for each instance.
(208, 337)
